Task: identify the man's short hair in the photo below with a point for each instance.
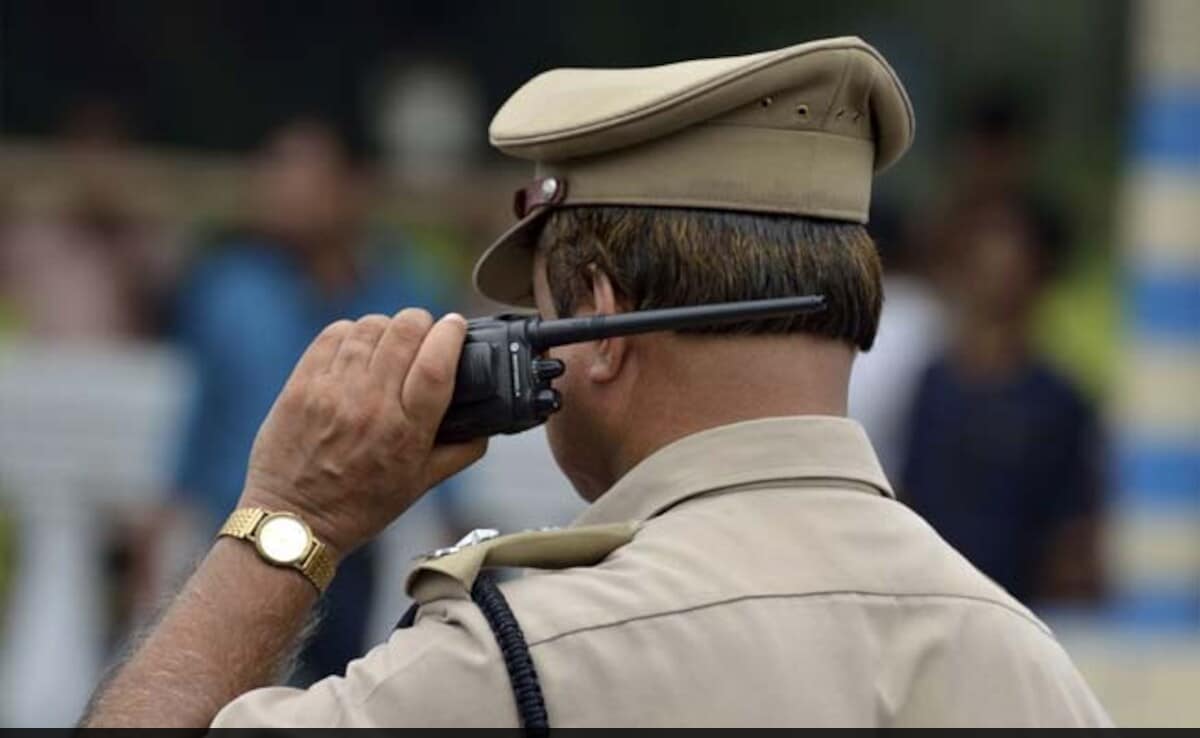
(672, 257)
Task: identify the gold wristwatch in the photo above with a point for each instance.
(283, 539)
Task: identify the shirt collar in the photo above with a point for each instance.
(755, 451)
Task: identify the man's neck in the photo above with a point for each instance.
(700, 382)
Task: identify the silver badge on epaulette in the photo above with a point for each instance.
(474, 538)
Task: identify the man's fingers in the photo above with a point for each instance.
(320, 352)
(398, 346)
(359, 343)
(430, 380)
(446, 461)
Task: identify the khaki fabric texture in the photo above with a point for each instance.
(773, 581)
(798, 131)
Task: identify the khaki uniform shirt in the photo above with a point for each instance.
(773, 581)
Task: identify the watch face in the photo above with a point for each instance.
(283, 538)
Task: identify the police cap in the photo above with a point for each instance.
(799, 131)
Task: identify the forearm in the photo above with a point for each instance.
(347, 446)
(230, 630)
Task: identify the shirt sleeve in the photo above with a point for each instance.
(444, 671)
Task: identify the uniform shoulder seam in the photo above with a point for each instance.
(1041, 627)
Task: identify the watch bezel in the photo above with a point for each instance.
(301, 557)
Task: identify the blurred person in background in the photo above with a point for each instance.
(254, 302)
(991, 161)
(78, 261)
(1003, 455)
(911, 334)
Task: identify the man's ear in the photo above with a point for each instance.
(610, 352)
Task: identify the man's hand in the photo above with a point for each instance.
(348, 444)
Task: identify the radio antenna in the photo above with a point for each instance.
(547, 333)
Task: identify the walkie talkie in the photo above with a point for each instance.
(503, 381)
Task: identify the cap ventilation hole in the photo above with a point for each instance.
(766, 102)
(802, 111)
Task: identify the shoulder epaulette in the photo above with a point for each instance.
(451, 572)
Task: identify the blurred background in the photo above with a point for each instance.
(190, 190)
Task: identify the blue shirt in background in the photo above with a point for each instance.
(246, 315)
(997, 468)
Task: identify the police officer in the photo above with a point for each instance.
(743, 560)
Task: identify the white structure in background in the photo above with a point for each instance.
(912, 331)
(81, 429)
(517, 486)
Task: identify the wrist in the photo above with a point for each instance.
(336, 544)
(257, 575)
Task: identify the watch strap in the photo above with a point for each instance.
(242, 523)
(319, 567)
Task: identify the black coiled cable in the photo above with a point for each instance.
(522, 674)
(531, 705)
